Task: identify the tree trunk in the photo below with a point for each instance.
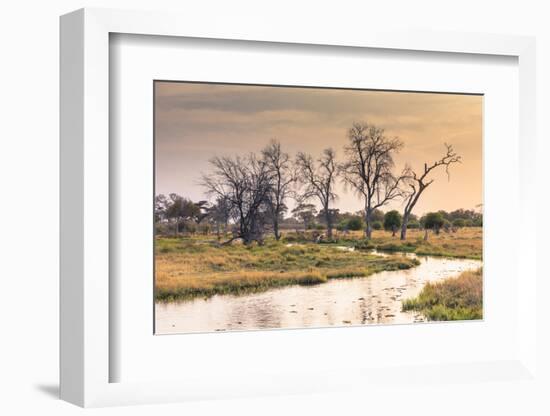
(393, 230)
(329, 222)
(276, 229)
(177, 227)
(425, 234)
(404, 226)
(368, 221)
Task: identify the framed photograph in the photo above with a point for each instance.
(265, 213)
(345, 214)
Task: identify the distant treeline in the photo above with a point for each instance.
(197, 218)
(248, 195)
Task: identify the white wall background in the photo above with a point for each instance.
(29, 206)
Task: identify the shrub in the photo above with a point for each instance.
(162, 229)
(377, 225)
(355, 224)
(413, 225)
(290, 238)
(188, 226)
(364, 245)
(459, 223)
(392, 221)
(205, 228)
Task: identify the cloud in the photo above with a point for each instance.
(195, 121)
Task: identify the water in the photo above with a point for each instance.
(369, 300)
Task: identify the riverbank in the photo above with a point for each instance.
(465, 243)
(459, 298)
(194, 267)
(338, 302)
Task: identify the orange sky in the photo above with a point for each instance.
(197, 121)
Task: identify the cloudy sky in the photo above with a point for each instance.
(194, 122)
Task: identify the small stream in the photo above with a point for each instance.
(339, 302)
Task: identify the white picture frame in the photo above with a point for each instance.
(86, 355)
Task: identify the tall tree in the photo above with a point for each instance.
(432, 221)
(318, 179)
(282, 178)
(305, 213)
(219, 214)
(392, 221)
(368, 167)
(418, 183)
(180, 209)
(245, 183)
(161, 204)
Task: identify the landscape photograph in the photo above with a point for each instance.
(289, 207)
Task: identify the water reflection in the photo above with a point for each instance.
(371, 300)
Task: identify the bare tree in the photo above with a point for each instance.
(318, 179)
(368, 168)
(244, 183)
(417, 184)
(283, 177)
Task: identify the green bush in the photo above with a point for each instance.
(342, 225)
(392, 221)
(434, 221)
(355, 224)
(377, 225)
(413, 224)
(459, 223)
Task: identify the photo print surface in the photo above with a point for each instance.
(296, 207)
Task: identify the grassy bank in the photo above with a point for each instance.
(464, 243)
(199, 267)
(458, 298)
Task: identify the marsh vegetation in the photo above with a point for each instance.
(457, 298)
(200, 266)
(196, 267)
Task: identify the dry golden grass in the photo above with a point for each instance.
(197, 266)
(464, 243)
(458, 298)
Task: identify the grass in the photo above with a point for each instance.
(458, 298)
(199, 267)
(466, 243)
